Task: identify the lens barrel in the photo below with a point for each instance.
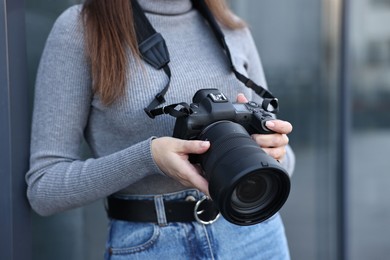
(247, 185)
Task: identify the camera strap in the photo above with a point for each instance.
(154, 51)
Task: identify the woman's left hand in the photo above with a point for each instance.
(273, 144)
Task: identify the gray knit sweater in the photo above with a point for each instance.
(66, 111)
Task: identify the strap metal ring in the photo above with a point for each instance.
(197, 212)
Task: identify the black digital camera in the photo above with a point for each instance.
(247, 185)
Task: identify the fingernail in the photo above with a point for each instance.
(269, 124)
(205, 144)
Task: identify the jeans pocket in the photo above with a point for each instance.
(131, 237)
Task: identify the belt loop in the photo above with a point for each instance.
(160, 210)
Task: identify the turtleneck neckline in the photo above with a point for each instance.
(166, 7)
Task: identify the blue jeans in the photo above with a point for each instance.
(191, 240)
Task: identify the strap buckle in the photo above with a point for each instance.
(205, 211)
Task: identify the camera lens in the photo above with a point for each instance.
(247, 185)
(250, 190)
(253, 194)
(250, 193)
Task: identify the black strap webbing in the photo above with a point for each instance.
(153, 50)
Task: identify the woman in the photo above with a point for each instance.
(92, 84)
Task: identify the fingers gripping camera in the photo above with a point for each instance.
(247, 185)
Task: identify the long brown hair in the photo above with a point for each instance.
(110, 34)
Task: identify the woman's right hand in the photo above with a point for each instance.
(171, 156)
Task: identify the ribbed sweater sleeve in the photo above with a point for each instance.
(58, 179)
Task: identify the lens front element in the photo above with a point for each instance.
(251, 193)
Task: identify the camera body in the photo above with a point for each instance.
(247, 185)
(211, 105)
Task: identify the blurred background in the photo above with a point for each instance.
(328, 62)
